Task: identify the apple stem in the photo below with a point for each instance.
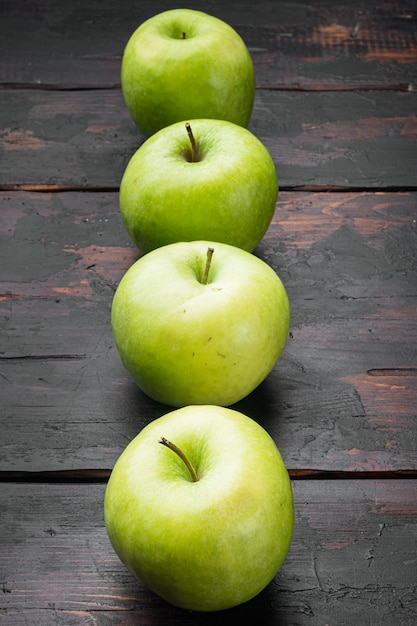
(184, 36)
(193, 144)
(207, 266)
(182, 456)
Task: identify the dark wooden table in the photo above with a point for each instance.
(336, 105)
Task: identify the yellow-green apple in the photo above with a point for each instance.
(203, 179)
(206, 519)
(200, 322)
(184, 64)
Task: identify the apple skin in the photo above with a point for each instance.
(166, 78)
(185, 342)
(207, 545)
(229, 195)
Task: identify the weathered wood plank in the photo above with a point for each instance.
(353, 557)
(293, 44)
(317, 140)
(342, 397)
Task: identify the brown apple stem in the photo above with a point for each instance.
(182, 456)
(192, 142)
(207, 266)
(184, 36)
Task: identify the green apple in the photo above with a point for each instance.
(200, 322)
(203, 179)
(206, 519)
(184, 64)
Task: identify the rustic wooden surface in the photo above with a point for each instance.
(352, 560)
(336, 105)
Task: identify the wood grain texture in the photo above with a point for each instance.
(352, 557)
(342, 396)
(294, 45)
(319, 141)
(336, 106)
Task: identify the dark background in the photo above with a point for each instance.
(336, 106)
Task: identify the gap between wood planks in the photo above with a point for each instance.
(46, 188)
(403, 87)
(93, 476)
